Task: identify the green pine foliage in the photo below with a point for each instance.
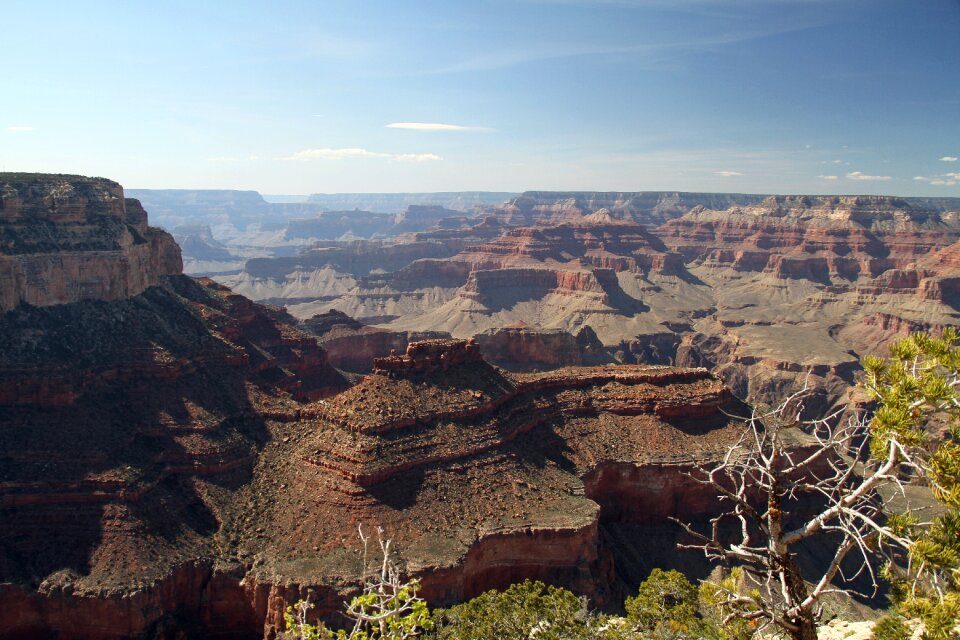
(891, 627)
(524, 610)
(665, 599)
(917, 387)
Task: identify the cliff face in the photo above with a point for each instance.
(352, 346)
(814, 238)
(765, 290)
(67, 238)
(471, 468)
(184, 460)
(206, 497)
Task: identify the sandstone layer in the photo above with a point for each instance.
(69, 238)
(769, 291)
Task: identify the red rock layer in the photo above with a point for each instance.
(813, 238)
(526, 348)
(246, 501)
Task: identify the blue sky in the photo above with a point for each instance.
(778, 96)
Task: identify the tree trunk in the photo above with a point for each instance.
(805, 621)
(806, 627)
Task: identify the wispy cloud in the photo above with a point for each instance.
(728, 174)
(417, 157)
(354, 152)
(827, 177)
(859, 175)
(942, 180)
(498, 58)
(20, 129)
(949, 159)
(434, 126)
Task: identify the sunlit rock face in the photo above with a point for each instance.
(70, 238)
(766, 290)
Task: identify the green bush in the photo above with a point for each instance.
(524, 610)
(665, 599)
(890, 627)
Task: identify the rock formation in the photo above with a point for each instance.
(766, 291)
(66, 238)
(650, 207)
(180, 459)
(353, 346)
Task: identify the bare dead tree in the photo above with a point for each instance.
(779, 493)
(389, 607)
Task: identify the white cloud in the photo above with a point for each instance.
(417, 157)
(353, 152)
(837, 161)
(859, 175)
(20, 129)
(943, 180)
(728, 174)
(827, 177)
(949, 159)
(433, 126)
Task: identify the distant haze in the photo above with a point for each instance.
(279, 199)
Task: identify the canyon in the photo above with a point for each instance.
(219, 230)
(176, 458)
(521, 392)
(768, 291)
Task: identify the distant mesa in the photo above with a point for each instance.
(732, 281)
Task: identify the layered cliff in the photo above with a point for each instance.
(69, 238)
(766, 291)
(206, 497)
(813, 238)
(470, 468)
(185, 461)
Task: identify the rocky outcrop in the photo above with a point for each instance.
(421, 218)
(67, 238)
(246, 500)
(429, 357)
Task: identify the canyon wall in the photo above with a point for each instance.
(767, 290)
(66, 238)
(177, 459)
